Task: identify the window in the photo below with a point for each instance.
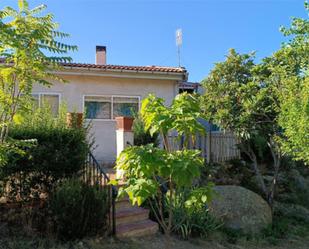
(51, 100)
(109, 107)
(98, 107)
(124, 106)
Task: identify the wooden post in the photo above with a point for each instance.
(208, 146)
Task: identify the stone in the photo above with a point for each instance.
(241, 209)
(292, 211)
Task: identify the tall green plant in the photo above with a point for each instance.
(267, 100)
(31, 50)
(240, 97)
(294, 71)
(158, 175)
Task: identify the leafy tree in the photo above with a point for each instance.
(240, 99)
(294, 70)
(30, 50)
(268, 100)
(294, 118)
(159, 175)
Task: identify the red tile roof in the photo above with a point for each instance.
(120, 67)
(130, 68)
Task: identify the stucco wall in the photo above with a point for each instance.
(104, 131)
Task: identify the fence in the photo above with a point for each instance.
(216, 146)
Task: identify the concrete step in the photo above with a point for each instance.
(137, 229)
(131, 215)
(123, 204)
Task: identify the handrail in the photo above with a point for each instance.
(92, 162)
(100, 168)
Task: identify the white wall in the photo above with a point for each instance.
(105, 130)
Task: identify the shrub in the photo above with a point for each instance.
(78, 209)
(191, 213)
(141, 135)
(197, 223)
(56, 152)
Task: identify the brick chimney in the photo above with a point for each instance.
(100, 58)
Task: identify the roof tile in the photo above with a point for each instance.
(122, 67)
(132, 68)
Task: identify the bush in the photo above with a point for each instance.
(191, 217)
(48, 151)
(191, 213)
(78, 209)
(141, 136)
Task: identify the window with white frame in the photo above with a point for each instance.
(47, 99)
(109, 107)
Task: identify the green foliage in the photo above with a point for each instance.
(242, 98)
(225, 88)
(265, 102)
(30, 46)
(78, 209)
(294, 118)
(191, 215)
(284, 228)
(160, 175)
(182, 117)
(294, 70)
(42, 151)
(144, 164)
(141, 135)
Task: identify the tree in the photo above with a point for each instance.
(268, 100)
(294, 118)
(239, 98)
(294, 70)
(30, 51)
(158, 175)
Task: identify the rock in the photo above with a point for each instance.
(241, 209)
(292, 211)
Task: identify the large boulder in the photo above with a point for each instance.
(241, 209)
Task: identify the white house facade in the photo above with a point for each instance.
(104, 92)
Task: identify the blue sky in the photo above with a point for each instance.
(143, 32)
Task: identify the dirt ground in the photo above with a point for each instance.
(158, 243)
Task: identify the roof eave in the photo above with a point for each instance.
(121, 73)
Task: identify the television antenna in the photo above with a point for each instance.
(178, 43)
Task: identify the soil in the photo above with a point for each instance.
(217, 241)
(158, 243)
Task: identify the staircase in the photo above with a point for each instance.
(132, 221)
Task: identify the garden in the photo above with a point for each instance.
(258, 200)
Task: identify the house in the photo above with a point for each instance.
(104, 92)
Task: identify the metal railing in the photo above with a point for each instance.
(95, 175)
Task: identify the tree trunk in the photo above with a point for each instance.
(250, 153)
(276, 154)
(168, 240)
